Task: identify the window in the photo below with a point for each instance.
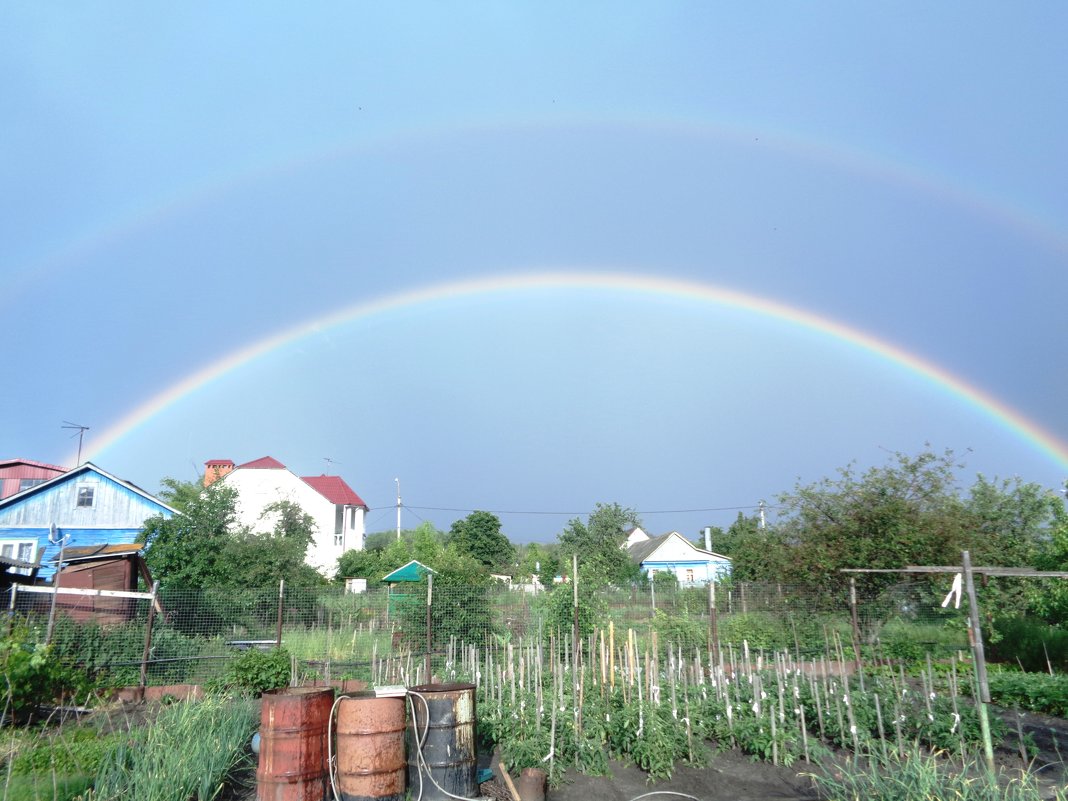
(26, 483)
(23, 550)
(352, 517)
(85, 497)
(339, 540)
(689, 575)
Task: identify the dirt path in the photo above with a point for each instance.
(731, 776)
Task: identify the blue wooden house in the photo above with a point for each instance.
(83, 507)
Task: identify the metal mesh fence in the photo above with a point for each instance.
(384, 634)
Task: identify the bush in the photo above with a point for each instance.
(1029, 642)
(255, 672)
(759, 629)
(31, 675)
(1037, 692)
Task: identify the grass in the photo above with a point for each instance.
(45, 787)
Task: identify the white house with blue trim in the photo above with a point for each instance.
(83, 507)
(675, 554)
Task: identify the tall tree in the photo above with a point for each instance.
(905, 512)
(203, 546)
(479, 535)
(257, 560)
(599, 544)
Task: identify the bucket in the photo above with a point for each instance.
(293, 755)
(443, 730)
(370, 748)
(531, 784)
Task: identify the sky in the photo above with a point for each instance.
(531, 257)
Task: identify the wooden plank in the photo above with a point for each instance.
(1019, 572)
(79, 591)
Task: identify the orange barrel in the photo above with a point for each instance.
(370, 748)
(443, 730)
(293, 754)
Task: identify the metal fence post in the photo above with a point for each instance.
(281, 598)
(11, 609)
(429, 633)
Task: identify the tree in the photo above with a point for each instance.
(479, 535)
(599, 544)
(204, 547)
(260, 560)
(187, 550)
(905, 512)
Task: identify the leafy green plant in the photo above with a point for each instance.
(30, 673)
(255, 672)
(69, 750)
(1037, 692)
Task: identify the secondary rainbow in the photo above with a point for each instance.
(993, 408)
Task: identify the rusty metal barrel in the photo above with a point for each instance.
(370, 748)
(293, 752)
(441, 741)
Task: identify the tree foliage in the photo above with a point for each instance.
(599, 544)
(204, 547)
(909, 511)
(188, 549)
(479, 535)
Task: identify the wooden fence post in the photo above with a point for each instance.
(713, 628)
(980, 659)
(148, 641)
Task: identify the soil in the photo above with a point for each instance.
(730, 776)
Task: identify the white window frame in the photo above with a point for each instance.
(16, 546)
(78, 496)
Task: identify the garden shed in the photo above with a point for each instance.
(102, 567)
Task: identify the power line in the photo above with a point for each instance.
(572, 514)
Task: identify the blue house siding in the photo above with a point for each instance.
(115, 516)
(703, 571)
(78, 538)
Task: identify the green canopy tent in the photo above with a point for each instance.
(413, 571)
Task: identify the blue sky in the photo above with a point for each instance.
(183, 182)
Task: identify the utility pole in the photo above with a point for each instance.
(398, 508)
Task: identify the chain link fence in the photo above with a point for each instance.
(386, 633)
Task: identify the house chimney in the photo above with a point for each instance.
(708, 538)
(214, 469)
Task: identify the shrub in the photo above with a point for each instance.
(1037, 692)
(760, 630)
(1029, 642)
(255, 672)
(31, 675)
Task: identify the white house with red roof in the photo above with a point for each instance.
(339, 513)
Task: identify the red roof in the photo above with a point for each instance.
(31, 463)
(335, 490)
(264, 463)
(219, 462)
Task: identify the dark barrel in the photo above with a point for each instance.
(442, 729)
(293, 755)
(370, 748)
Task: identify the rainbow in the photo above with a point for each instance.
(149, 213)
(646, 285)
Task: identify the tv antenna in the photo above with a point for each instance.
(80, 434)
(330, 462)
